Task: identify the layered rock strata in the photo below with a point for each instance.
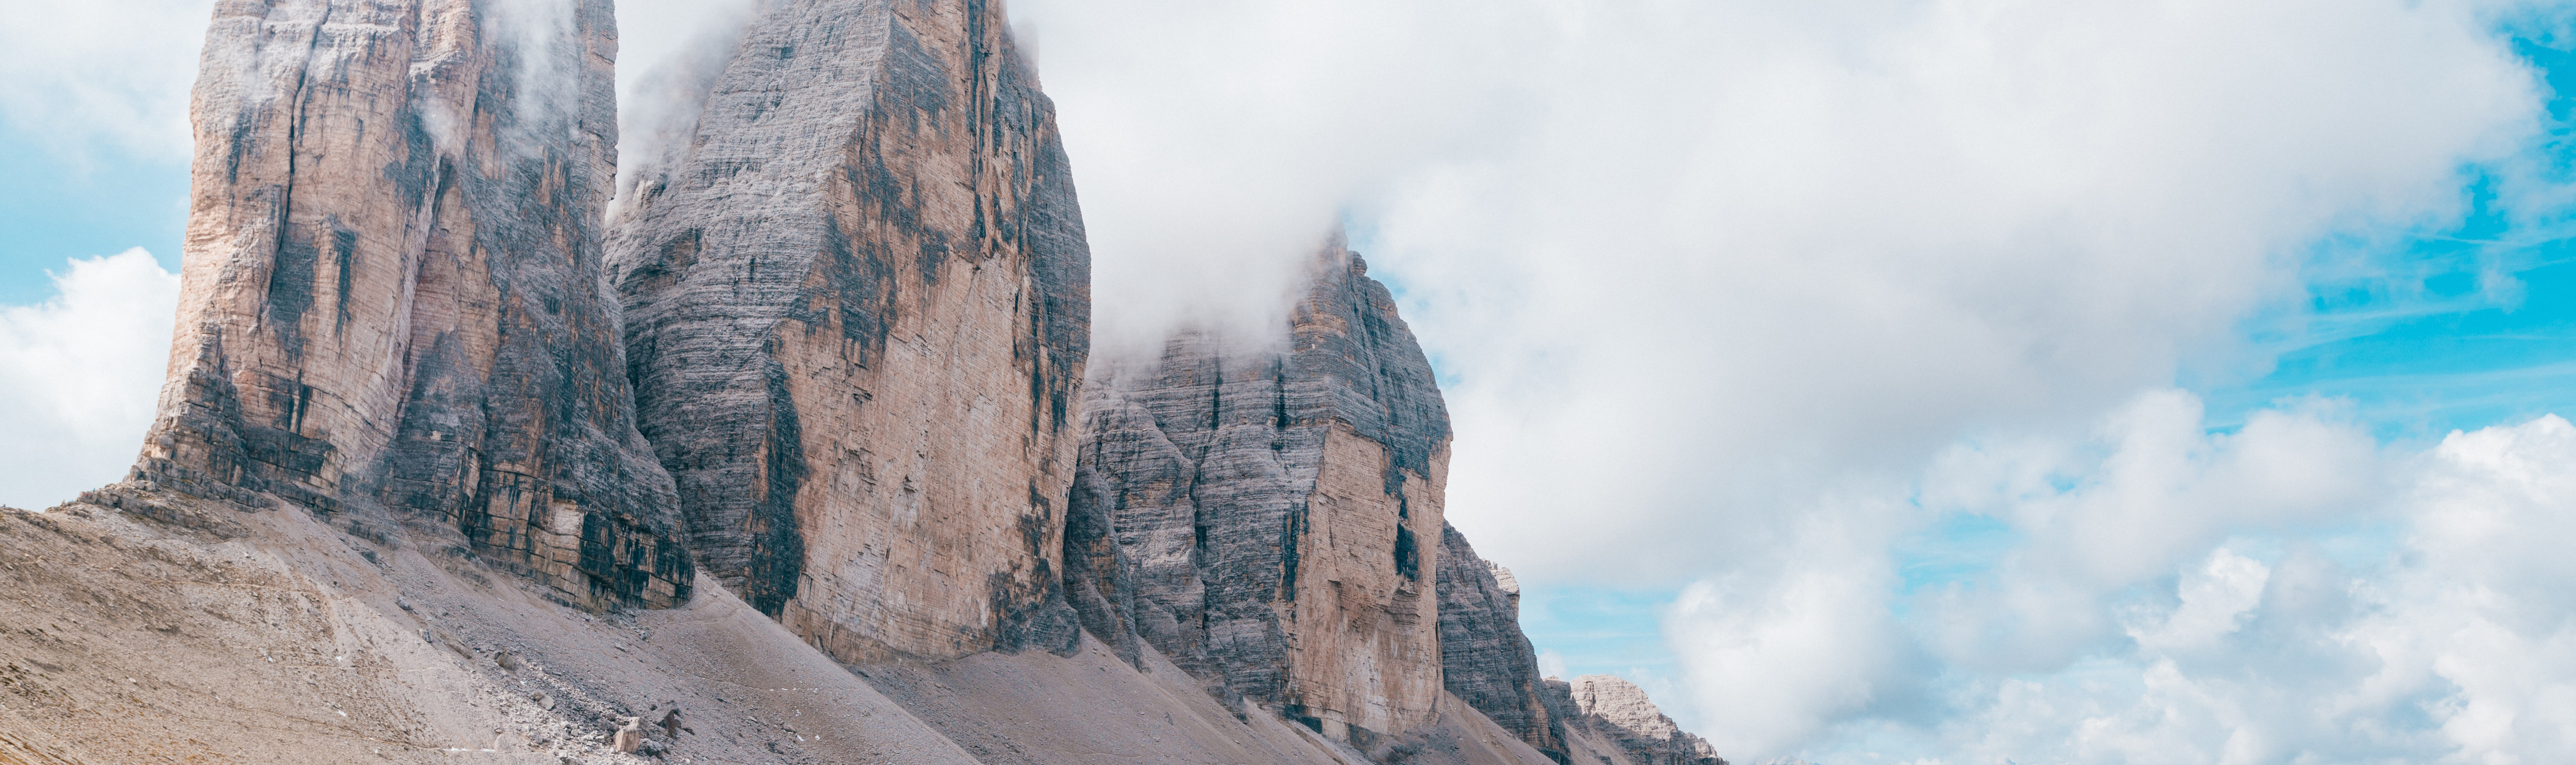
(857, 314)
(1618, 711)
(391, 291)
(1275, 512)
(1485, 659)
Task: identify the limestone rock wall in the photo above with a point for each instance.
(1276, 511)
(857, 313)
(392, 285)
(1484, 659)
(1615, 710)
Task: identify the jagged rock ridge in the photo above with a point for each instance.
(857, 314)
(392, 286)
(1268, 517)
(1617, 710)
(1485, 659)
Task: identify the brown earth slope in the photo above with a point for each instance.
(268, 637)
(183, 630)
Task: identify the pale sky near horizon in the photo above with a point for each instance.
(1875, 381)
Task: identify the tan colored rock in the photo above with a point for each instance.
(630, 735)
(1618, 711)
(858, 310)
(1277, 511)
(391, 298)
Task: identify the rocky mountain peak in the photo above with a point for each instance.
(1272, 511)
(857, 312)
(391, 306)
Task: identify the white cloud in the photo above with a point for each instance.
(1215, 144)
(2150, 489)
(1700, 261)
(2440, 631)
(81, 372)
(1751, 249)
(2216, 599)
(115, 72)
(1772, 656)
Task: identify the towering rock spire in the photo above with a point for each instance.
(392, 285)
(858, 311)
(1277, 512)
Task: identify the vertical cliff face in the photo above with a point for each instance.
(1276, 513)
(392, 285)
(857, 313)
(1484, 658)
(1618, 711)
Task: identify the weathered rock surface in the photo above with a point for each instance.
(1485, 659)
(1275, 510)
(1615, 710)
(392, 286)
(857, 314)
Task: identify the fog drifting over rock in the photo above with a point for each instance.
(1722, 293)
(1736, 298)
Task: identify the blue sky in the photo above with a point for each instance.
(1880, 381)
(82, 200)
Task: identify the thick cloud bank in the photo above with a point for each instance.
(2177, 597)
(80, 373)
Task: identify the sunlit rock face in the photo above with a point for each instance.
(1276, 512)
(1485, 659)
(1617, 711)
(857, 313)
(392, 286)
